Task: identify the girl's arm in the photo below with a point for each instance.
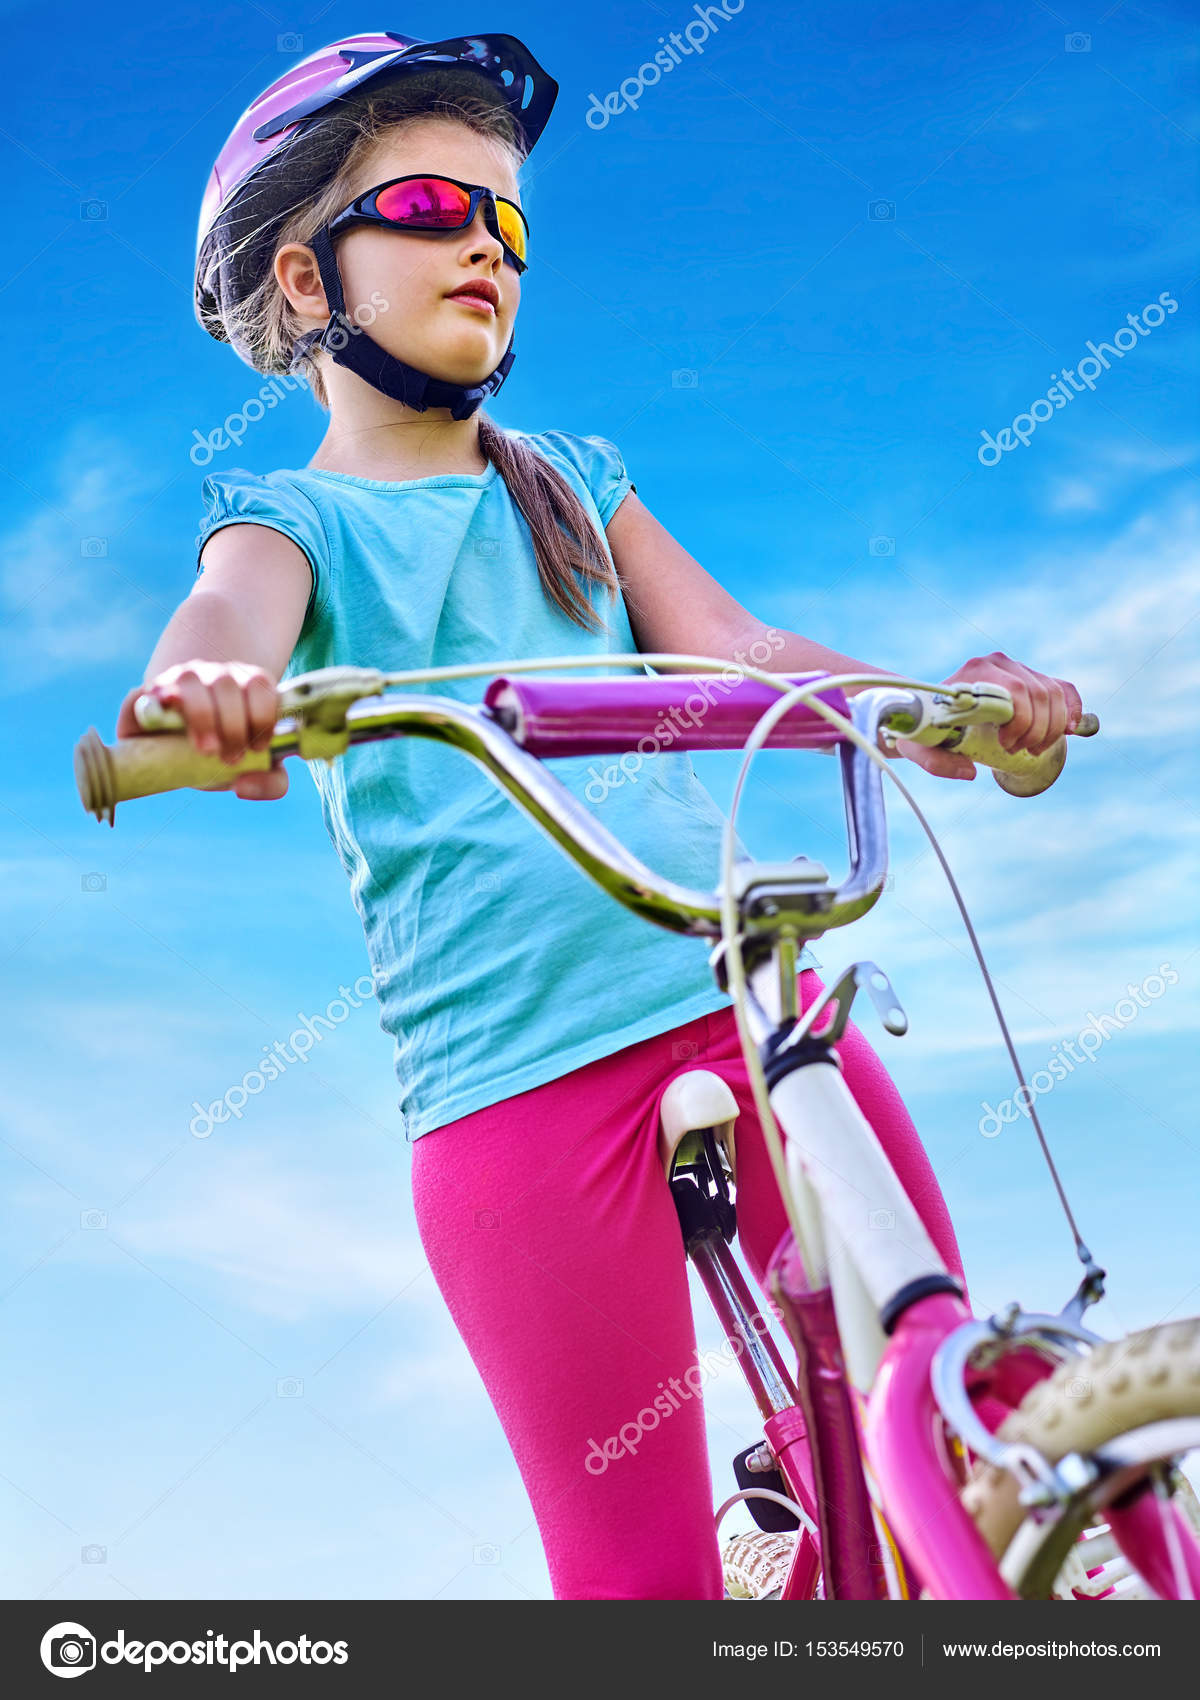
(674, 605)
(222, 651)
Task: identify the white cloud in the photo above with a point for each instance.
(438, 1375)
(1127, 454)
(1118, 620)
(64, 608)
(1071, 902)
(1111, 469)
(282, 1242)
(1114, 618)
(1075, 496)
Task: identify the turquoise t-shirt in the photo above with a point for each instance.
(498, 964)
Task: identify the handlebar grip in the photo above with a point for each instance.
(1016, 771)
(142, 767)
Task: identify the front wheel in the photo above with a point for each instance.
(1119, 1391)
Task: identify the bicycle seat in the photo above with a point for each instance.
(692, 1102)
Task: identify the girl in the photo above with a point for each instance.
(364, 223)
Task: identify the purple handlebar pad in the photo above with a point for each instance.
(595, 717)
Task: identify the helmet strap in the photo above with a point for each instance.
(360, 354)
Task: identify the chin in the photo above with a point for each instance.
(456, 360)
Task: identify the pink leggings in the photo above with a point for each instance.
(553, 1239)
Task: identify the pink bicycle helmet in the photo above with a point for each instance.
(276, 151)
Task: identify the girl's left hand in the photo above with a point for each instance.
(1043, 710)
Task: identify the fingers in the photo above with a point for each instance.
(1044, 709)
(265, 787)
(1056, 713)
(1012, 735)
(947, 766)
(1074, 704)
(230, 708)
(943, 764)
(182, 688)
(262, 711)
(1041, 712)
(226, 709)
(127, 725)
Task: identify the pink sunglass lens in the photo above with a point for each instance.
(426, 203)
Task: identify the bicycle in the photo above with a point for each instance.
(876, 1477)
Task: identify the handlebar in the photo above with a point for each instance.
(517, 720)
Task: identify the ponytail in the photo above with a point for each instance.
(569, 551)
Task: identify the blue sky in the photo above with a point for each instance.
(795, 285)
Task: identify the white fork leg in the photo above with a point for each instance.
(834, 1147)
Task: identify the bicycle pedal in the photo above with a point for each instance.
(755, 1564)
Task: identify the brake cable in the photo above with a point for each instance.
(325, 718)
(1091, 1287)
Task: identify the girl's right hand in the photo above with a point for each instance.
(228, 708)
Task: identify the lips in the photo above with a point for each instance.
(480, 293)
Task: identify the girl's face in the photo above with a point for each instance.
(416, 273)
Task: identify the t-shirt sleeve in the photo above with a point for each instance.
(238, 497)
(607, 478)
(598, 462)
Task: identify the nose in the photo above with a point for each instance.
(483, 243)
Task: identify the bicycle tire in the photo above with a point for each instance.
(1148, 1377)
(755, 1564)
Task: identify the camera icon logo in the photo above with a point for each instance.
(882, 1219)
(1078, 43)
(489, 546)
(882, 545)
(93, 1218)
(68, 1649)
(487, 882)
(487, 1218)
(685, 378)
(1079, 1388)
(683, 1050)
(93, 882)
(289, 43)
(94, 1555)
(93, 547)
(93, 209)
(289, 1388)
(881, 209)
(486, 1553)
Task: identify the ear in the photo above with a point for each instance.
(299, 276)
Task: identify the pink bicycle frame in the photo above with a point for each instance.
(821, 1439)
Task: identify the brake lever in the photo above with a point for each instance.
(964, 719)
